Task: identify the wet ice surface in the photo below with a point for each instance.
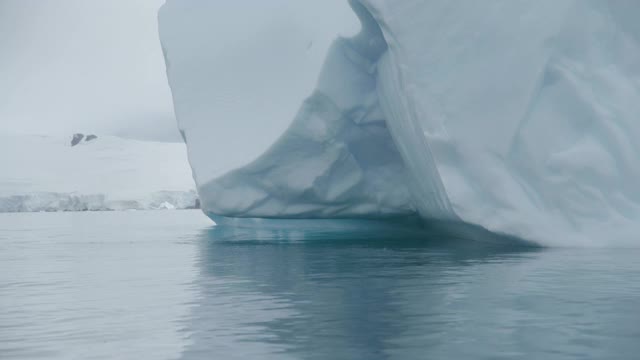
(168, 285)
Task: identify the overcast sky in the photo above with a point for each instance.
(83, 66)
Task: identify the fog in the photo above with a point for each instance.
(83, 66)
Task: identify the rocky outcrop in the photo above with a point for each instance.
(75, 140)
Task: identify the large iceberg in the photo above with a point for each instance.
(517, 116)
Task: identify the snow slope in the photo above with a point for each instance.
(520, 117)
(42, 173)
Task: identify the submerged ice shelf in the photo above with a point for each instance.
(519, 117)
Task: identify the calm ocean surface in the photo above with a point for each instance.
(169, 285)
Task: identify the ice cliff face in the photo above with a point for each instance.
(517, 116)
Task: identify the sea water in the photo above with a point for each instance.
(170, 285)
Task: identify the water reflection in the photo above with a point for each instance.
(327, 294)
(154, 285)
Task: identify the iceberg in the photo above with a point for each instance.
(514, 116)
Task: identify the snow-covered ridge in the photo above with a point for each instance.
(516, 116)
(41, 173)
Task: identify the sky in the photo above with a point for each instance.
(90, 66)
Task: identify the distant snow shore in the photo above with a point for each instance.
(51, 202)
(42, 173)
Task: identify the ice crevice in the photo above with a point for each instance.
(341, 158)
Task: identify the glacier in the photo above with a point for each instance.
(45, 173)
(514, 116)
